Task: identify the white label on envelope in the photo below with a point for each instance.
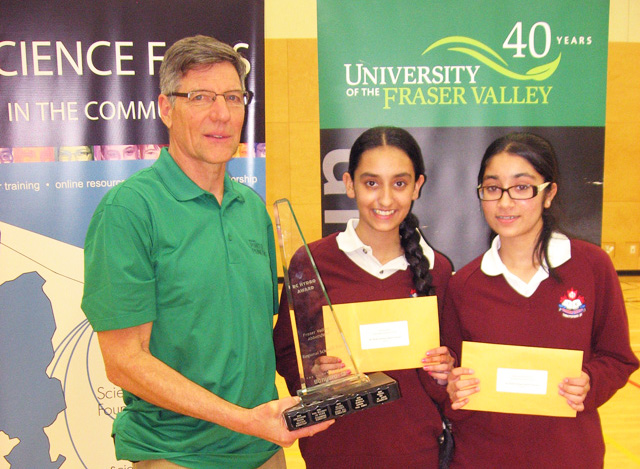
(522, 381)
(384, 335)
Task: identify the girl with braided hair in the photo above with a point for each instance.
(381, 255)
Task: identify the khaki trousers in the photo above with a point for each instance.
(277, 461)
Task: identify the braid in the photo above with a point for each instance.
(410, 242)
(401, 139)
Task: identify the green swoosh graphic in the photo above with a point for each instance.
(464, 40)
(539, 73)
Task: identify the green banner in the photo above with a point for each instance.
(458, 74)
(461, 63)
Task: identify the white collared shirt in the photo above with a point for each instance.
(362, 255)
(559, 253)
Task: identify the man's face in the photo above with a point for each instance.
(204, 134)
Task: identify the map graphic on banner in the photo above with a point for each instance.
(457, 75)
(58, 393)
(78, 115)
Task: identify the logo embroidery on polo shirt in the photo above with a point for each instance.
(257, 247)
(572, 304)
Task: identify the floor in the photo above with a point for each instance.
(620, 416)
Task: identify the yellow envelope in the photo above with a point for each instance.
(520, 380)
(384, 335)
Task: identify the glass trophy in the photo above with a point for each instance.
(325, 393)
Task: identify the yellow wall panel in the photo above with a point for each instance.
(293, 134)
(276, 80)
(290, 18)
(303, 82)
(623, 86)
(620, 221)
(309, 217)
(305, 162)
(618, 20)
(634, 21)
(278, 167)
(622, 164)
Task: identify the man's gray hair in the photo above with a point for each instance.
(195, 52)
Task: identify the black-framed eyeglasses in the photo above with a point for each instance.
(517, 192)
(203, 98)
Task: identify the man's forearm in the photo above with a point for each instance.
(130, 365)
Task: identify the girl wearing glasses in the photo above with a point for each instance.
(381, 255)
(534, 287)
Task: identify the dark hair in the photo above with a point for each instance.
(540, 154)
(409, 228)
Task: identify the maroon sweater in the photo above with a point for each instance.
(402, 433)
(482, 308)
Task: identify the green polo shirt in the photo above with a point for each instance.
(160, 249)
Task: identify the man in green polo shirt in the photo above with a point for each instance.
(181, 287)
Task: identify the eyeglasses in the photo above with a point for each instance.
(517, 192)
(202, 98)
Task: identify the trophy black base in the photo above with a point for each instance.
(330, 403)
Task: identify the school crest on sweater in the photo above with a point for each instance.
(572, 304)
